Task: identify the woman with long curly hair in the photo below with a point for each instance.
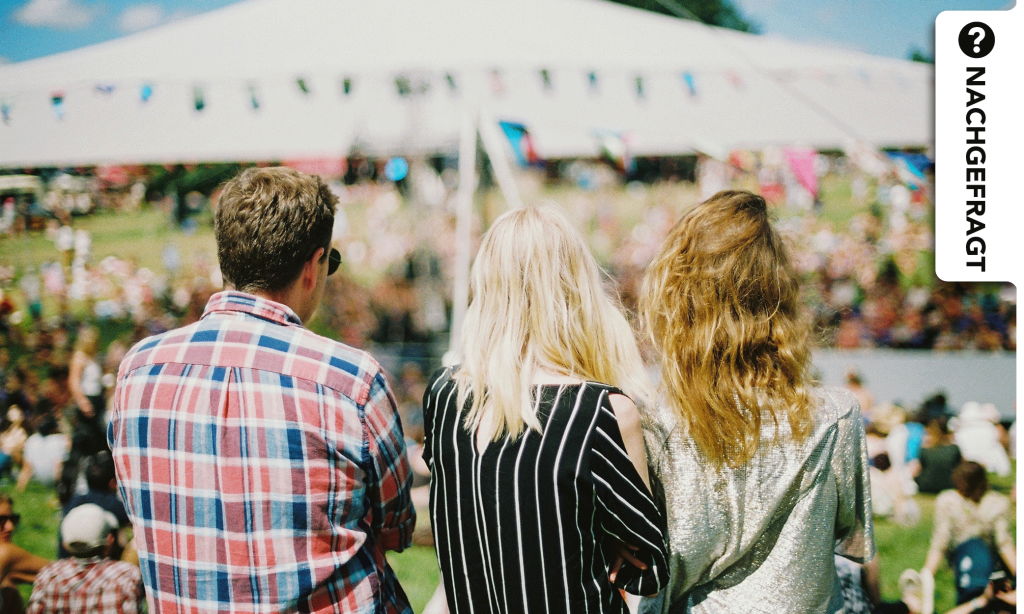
(764, 475)
(538, 475)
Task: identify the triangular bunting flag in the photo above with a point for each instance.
(522, 144)
(57, 100)
(690, 85)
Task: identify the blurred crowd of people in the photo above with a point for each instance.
(868, 279)
(947, 452)
(65, 324)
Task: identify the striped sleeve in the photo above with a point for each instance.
(437, 380)
(627, 509)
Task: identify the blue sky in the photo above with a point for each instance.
(880, 27)
(34, 28)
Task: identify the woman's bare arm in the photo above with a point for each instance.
(628, 417)
(75, 383)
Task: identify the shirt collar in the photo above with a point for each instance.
(230, 301)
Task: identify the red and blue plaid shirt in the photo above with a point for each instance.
(87, 586)
(263, 466)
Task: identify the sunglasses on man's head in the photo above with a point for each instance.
(12, 518)
(334, 260)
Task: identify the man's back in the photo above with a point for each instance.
(263, 466)
(87, 586)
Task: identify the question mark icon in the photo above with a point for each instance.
(979, 35)
(976, 39)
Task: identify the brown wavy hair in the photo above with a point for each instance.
(720, 303)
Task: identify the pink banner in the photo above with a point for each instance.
(801, 162)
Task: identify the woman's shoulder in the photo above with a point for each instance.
(659, 422)
(835, 404)
(438, 382)
(571, 391)
(440, 375)
(665, 437)
(948, 500)
(841, 398)
(995, 501)
(441, 378)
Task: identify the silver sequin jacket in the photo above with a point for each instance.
(761, 537)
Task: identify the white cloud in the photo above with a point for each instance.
(4, 60)
(140, 17)
(60, 14)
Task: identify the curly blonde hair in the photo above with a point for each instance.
(538, 303)
(720, 304)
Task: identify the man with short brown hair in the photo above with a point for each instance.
(263, 466)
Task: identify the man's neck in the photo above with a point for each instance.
(289, 297)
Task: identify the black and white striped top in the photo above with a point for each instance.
(524, 526)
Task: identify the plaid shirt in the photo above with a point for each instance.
(263, 466)
(87, 586)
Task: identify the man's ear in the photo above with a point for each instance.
(311, 269)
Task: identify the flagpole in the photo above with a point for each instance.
(494, 147)
(463, 228)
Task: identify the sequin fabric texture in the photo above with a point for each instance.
(761, 537)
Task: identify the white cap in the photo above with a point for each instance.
(86, 528)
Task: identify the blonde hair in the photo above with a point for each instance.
(538, 302)
(720, 303)
(88, 340)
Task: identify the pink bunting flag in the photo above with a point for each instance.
(801, 162)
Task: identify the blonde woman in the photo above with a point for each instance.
(89, 431)
(85, 375)
(764, 475)
(539, 485)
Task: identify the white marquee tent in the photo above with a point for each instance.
(400, 76)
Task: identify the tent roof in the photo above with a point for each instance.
(748, 90)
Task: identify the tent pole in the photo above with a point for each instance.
(463, 228)
(499, 161)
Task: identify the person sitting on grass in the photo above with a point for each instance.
(101, 477)
(93, 580)
(938, 458)
(12, 440)
(17, 565)
(972, 532)
(999, 598)
(43, 453)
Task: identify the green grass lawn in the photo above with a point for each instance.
(899, 547)
(139, 236)
(40, 517)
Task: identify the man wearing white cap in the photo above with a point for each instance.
(89, 582)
